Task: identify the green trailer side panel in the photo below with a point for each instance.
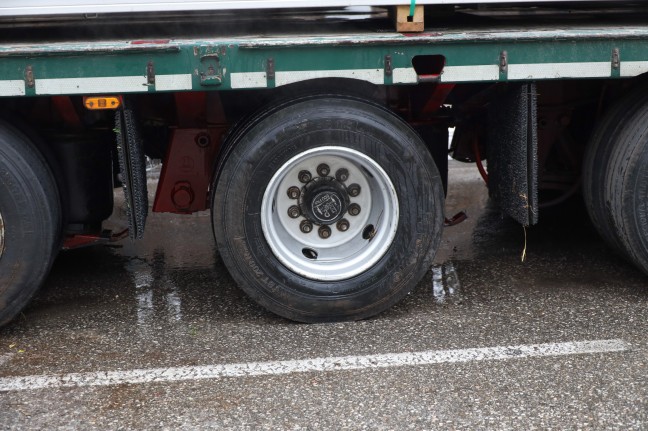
(244, 63)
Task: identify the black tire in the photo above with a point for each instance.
(30, 209)
(306, 125)
(596, 166)
(625, 190)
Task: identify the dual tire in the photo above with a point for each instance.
(615, 178)
(30, 220)
(327, 209)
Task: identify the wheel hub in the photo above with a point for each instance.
(329, 213)
(324, 201)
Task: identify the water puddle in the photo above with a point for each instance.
(445, 282)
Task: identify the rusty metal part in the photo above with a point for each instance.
(342, 225)
(324, 232)
(354, 190)
(503, 62)
(294, 192)
(294, 212)
(388, 66)
(150, 73)
(182, 195)
(306, 226)
(85, 240)
(342, 175)
(29, 77)
(304, 176)
(189, 163)
(455, 220)
(354, 209)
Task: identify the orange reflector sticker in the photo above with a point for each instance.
(96, 103)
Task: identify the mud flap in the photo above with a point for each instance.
(513, 153)
(132, 166)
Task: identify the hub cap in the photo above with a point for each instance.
(346, 212)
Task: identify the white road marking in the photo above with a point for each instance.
(251, 369)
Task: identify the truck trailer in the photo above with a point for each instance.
(316, 133)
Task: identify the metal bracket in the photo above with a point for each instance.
(616, 58)
(212, 74)
(388, 66)
(29, 77)
(150, 73)
(503, 62)
(270, 68)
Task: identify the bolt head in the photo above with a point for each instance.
(354, 209)
(294, 192)
(323, 170)
(343, 225)
(304, 176)
(324, 232)
(294, 212)
(305, 226)
(353, 190)
(342, 175)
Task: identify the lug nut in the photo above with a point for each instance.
(306, 226)
(354, 209)
(323, 170)
(294, 192)
(342, 175)
(343, 225)
(305, 176)
(294, 212)
(354, 190)
(324, 232)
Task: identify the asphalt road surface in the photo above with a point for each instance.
(155, 335)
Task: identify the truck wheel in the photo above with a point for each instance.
(30, 221)
(626, 183)
(328, 209)
(604, 141)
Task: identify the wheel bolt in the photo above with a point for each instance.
(306, 226)
(354, 190)
(294, 212)
(343, 225)
(305, 176)
(324, 232)
(354, 209)
(323, 170)
(342, 175)
(294, 192)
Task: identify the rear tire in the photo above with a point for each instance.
(625, 191)
(355, 272)
(30, 221)
(596, 166)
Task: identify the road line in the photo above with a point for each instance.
(251, 369)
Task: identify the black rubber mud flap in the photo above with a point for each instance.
(132, 166)
(513, 153)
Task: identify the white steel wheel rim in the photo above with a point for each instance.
(344, 254)
(2, 235)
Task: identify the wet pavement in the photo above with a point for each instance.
(166, 306)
